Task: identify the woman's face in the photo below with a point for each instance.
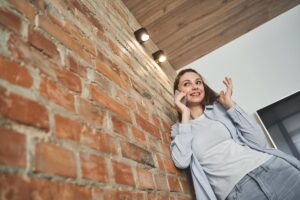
(192, 84)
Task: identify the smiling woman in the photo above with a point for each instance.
(224, 148)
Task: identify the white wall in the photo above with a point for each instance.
(264, 63)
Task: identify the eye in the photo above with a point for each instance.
(199, 82)
(186, 84)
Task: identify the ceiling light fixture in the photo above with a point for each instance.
(141, 35)
(159, 56)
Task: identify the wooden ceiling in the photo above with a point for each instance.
(189, 29)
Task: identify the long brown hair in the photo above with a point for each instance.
(210, 95)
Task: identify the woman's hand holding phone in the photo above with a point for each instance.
(181, 104)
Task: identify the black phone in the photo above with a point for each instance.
(184, 99)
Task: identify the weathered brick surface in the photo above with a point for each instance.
(66, 128)
(41, 43)
(136, 153)
(14, 73)
(10, 20)
(84, 111)
(174, 184)
(145, 179)
(150, 128)
(23, 110)
(56, 93)
(100, 141)
(93, 167)
(26, 9)
(26, 188)
(161, 182)
(12, 148)
(109, 103)
(51, 158)
(122, 173)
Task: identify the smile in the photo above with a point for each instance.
(195, 94)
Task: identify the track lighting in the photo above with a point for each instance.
(141, 35)
(159, 56)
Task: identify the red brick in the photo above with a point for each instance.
(24, 8)
(102, 36)
(122, 173)
(42, 43)
(103, 84)
(93, 167)
(169, 166)
(166, 137)
(27, 188)
(56, 93)
(10, 20)
(14, 73)
(76, 67)
(127, 60)
(23, 110)
(12, 148)
(160, 162)
(102, 66)
(30, 56)
(166, 150)
(80, 37)
(141, 111)
(161, 182)
(119, 126)
(114, 194)
(124, 76)
(68, 129)
(147, 126)
(186, 186)
(115, 49)
(109, 103)
(91, 112)
(86, 12)
(154, 145)
(119, 11)
(138, 135)
(124, 99)
(69, 79)
(52, 26)
(51, 158)
(166, 127)
(145, 179)
(174, 184)
(184, 198)
(156, 121)
(136, 153)
(99, 141)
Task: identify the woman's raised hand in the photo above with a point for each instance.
(179, 96)
(185, 111)
(225, 97)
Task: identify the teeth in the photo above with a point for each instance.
(195, 94)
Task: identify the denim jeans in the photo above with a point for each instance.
(276, 179)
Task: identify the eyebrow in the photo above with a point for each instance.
(195, 80)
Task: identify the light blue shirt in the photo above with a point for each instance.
(243, 130)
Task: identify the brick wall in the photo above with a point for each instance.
(84, 110)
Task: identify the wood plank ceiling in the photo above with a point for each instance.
(189, 29)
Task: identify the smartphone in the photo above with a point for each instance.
(183, 100)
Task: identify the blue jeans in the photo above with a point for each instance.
(276, 179)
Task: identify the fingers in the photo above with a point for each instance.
(179, 96)
(228, 82)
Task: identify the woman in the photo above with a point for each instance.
(224, 148)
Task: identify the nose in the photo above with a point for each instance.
(194, 87)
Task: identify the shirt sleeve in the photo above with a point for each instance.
(247, 126)
(181, 145)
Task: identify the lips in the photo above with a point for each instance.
(195, 94)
